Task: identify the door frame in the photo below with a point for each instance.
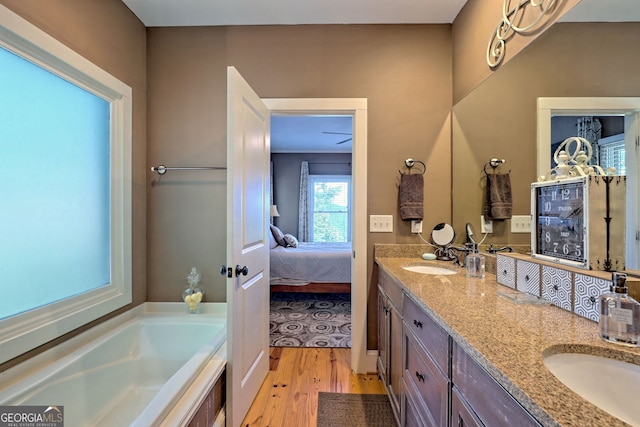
(362, 361)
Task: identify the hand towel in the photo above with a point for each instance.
(498, 196)
(411, 196)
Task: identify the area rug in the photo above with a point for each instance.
(354, 410)
(310, 320)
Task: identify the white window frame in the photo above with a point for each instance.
(24, 332)
(311, 198)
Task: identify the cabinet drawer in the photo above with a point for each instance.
(557, 286)
(506, 271)
(424, 380)
(432, 336)
(391, 288)
(411, 415)
(493, 405)
(528, 277)
(586, 301)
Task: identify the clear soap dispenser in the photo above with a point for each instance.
(619, 314)
(475, 263)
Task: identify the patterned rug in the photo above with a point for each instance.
(310, 320)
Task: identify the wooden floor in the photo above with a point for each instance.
(289, 394)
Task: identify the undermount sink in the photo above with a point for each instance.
(429, 269)
(611, 385)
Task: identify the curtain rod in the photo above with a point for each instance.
(330, 163)
(162, 169)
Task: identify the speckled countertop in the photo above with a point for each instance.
(509, 340)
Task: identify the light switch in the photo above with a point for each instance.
(381, 223)
(521, 224)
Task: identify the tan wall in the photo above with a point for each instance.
(109, 35)
(403, 70)
(472, 30)
(498, 118)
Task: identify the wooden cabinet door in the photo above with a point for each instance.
(461, 414)
(383, 334)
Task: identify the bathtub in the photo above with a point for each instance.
(151, 366)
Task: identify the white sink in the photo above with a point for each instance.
(429, 269)
(610, 384)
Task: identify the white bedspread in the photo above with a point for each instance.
(311, 262)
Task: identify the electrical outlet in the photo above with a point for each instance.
(521, 224)
(486, 226)
(381, 223)
(416, 226)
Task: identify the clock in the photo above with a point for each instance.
(580, 222)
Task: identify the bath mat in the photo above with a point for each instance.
(310, 320)
(354, 410)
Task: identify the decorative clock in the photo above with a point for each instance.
(580, 222)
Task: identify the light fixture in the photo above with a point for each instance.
(274, 211)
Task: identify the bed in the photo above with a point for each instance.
(319, 267)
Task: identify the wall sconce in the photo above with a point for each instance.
(274, 211)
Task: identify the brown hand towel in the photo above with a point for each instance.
(498, 196)
(411, 196)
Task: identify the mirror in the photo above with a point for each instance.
(470, 233)
(443, 236)
(499, 117)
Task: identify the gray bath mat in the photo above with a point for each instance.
(354, 410)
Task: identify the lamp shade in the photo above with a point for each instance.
(274, 211)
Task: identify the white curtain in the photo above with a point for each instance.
(271, 201)
(303, 205)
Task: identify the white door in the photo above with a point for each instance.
(248, 148)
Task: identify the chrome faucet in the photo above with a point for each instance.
(493, 250)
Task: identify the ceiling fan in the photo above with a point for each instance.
(341, 133)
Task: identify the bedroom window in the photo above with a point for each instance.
(65, 165)
(330, 208)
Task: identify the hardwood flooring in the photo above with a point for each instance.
(289, 394)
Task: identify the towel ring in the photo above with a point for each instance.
(494, 163)
(409, 163)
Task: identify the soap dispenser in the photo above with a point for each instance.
(475, 263)
(619, 314)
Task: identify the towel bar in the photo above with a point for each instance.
(162, 169)
(409, 163)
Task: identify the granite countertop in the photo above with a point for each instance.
(509, 339)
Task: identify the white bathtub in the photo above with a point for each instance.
(147, 367)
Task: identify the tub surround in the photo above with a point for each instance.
(166, 380)
(508, 340)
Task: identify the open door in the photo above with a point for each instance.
(248, 148)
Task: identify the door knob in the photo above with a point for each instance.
(226, 271)
(241, 270)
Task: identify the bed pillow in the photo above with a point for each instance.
(291, 240)
(272, 241)
(278, 235)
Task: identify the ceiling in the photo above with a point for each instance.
(172, 13)
(311, 134)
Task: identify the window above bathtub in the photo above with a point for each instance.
(65, 174)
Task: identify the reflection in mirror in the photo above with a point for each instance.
(470, 233)
(568, 60)
(443, 236)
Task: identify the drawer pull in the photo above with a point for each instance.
(417, 323)
(527, 278)
(556, 287)
(419, 376)
(592, 299)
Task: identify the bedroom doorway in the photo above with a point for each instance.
(311, 265)
(356, 109)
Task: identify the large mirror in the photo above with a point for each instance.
(499, 117)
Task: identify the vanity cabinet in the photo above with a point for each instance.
(390, 339)
(424, 383)
(480, 399)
